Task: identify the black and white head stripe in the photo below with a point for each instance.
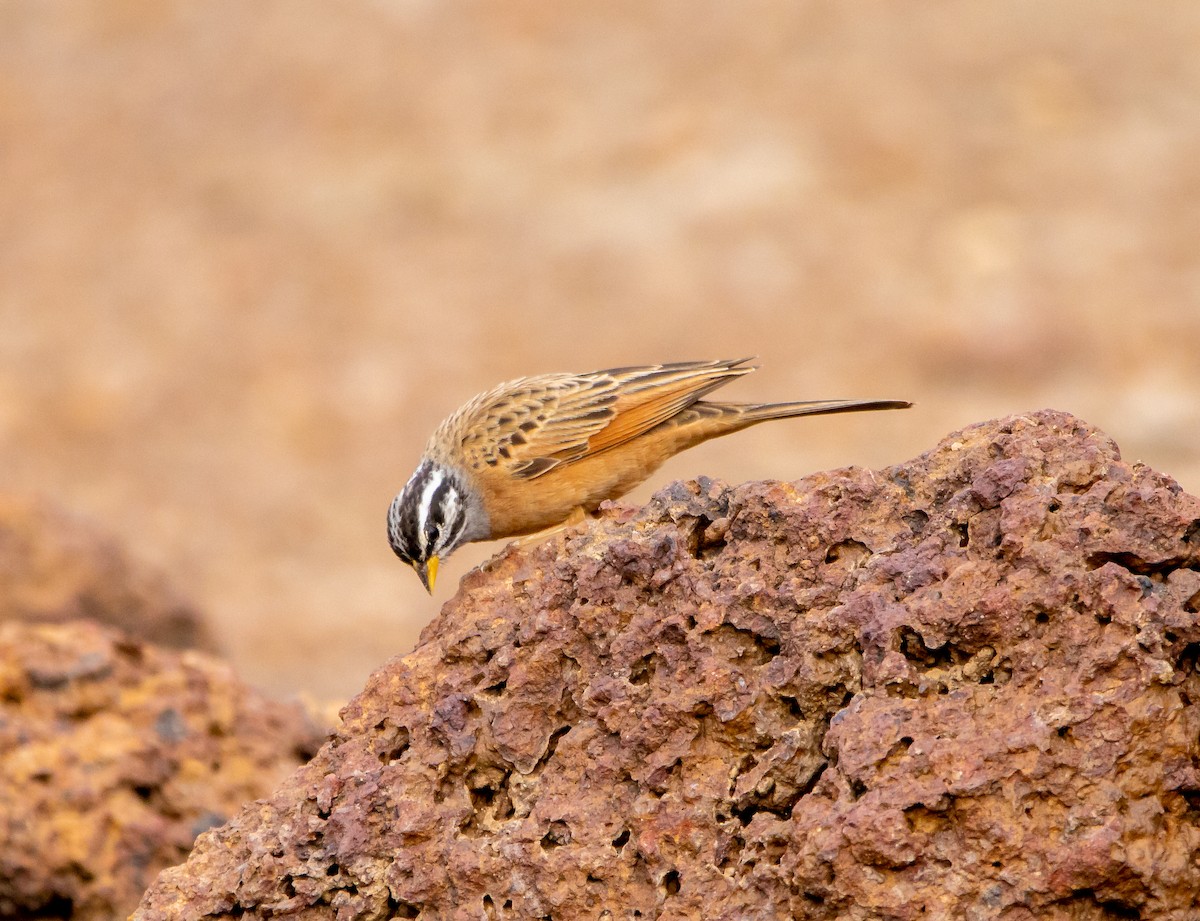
(429, 516)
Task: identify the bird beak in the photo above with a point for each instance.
(428, 573)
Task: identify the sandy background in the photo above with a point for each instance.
(250, 254)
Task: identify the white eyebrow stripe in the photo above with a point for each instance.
(423, 509)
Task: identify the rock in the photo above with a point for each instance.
(961, 687)
(114, 755)
(56, 567)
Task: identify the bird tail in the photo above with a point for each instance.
(704, 420)
(752, 413)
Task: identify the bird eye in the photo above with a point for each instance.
(433, 527)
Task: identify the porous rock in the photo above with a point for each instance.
(114, 756)
(56, 566)
(963, 687)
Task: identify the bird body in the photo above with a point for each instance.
(529, 453)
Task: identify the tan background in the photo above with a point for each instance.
(251, 253)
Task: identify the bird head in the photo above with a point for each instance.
(430, 518)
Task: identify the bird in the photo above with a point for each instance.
(533, 453)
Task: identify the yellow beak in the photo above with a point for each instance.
(428, 573)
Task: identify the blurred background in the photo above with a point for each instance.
(251, 254)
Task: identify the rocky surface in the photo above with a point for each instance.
(963, 687)
(114, 755)
(56, 566)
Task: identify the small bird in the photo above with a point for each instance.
(538, 451)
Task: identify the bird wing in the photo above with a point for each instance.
(530, 426)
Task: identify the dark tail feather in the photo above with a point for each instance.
(760, 412)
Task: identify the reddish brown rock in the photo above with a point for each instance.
(964, 687)
(114, 755)
(56, 566)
